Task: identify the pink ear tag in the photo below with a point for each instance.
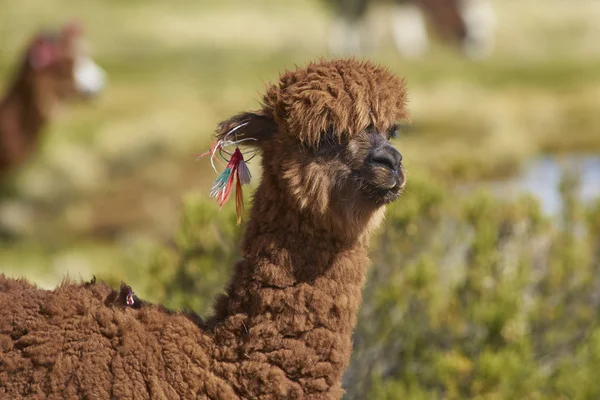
(42, 54)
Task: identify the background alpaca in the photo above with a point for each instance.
(469, 23)
(283, 329)
(54, 69)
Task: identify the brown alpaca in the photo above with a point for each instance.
(283, 329)
(467, 23)
(53, 70)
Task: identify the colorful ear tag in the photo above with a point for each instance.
(43, 53)
(130, 300)
(236, 168)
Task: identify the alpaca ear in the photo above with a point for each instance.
(255, 125)
(72, 29)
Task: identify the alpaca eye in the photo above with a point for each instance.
(327, 137)
(393, 132)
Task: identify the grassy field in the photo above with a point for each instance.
(109, 182)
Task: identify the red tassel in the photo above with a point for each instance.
(233, 164)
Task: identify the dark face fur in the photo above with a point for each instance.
(362, 172)
(377, 166)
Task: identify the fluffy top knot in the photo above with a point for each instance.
(339, 98)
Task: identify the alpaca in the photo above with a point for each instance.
(470, 23)
(53, 70)
(283, 327)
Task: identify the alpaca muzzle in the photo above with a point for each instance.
(385, 163)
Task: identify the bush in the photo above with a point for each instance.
(191, 272)
(469, 297)
(480, 299)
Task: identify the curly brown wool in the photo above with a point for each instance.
(283, 327)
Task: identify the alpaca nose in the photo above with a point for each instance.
(386, 156)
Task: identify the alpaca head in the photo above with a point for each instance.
(58, 67)
(324, 133)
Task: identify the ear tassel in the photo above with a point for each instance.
(220, 183)
(239, 201)
(244, 173)
(235, 170)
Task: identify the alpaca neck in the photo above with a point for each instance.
(21, 120)
(297, 292)
(284, 248)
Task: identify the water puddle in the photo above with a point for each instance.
(541, 177)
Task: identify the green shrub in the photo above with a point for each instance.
(469, 296)
(479, 298)
(191, 272)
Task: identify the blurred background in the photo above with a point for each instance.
(486, 276)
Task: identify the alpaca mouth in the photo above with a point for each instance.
(383, 186)
(382, 196)
(386, 178)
